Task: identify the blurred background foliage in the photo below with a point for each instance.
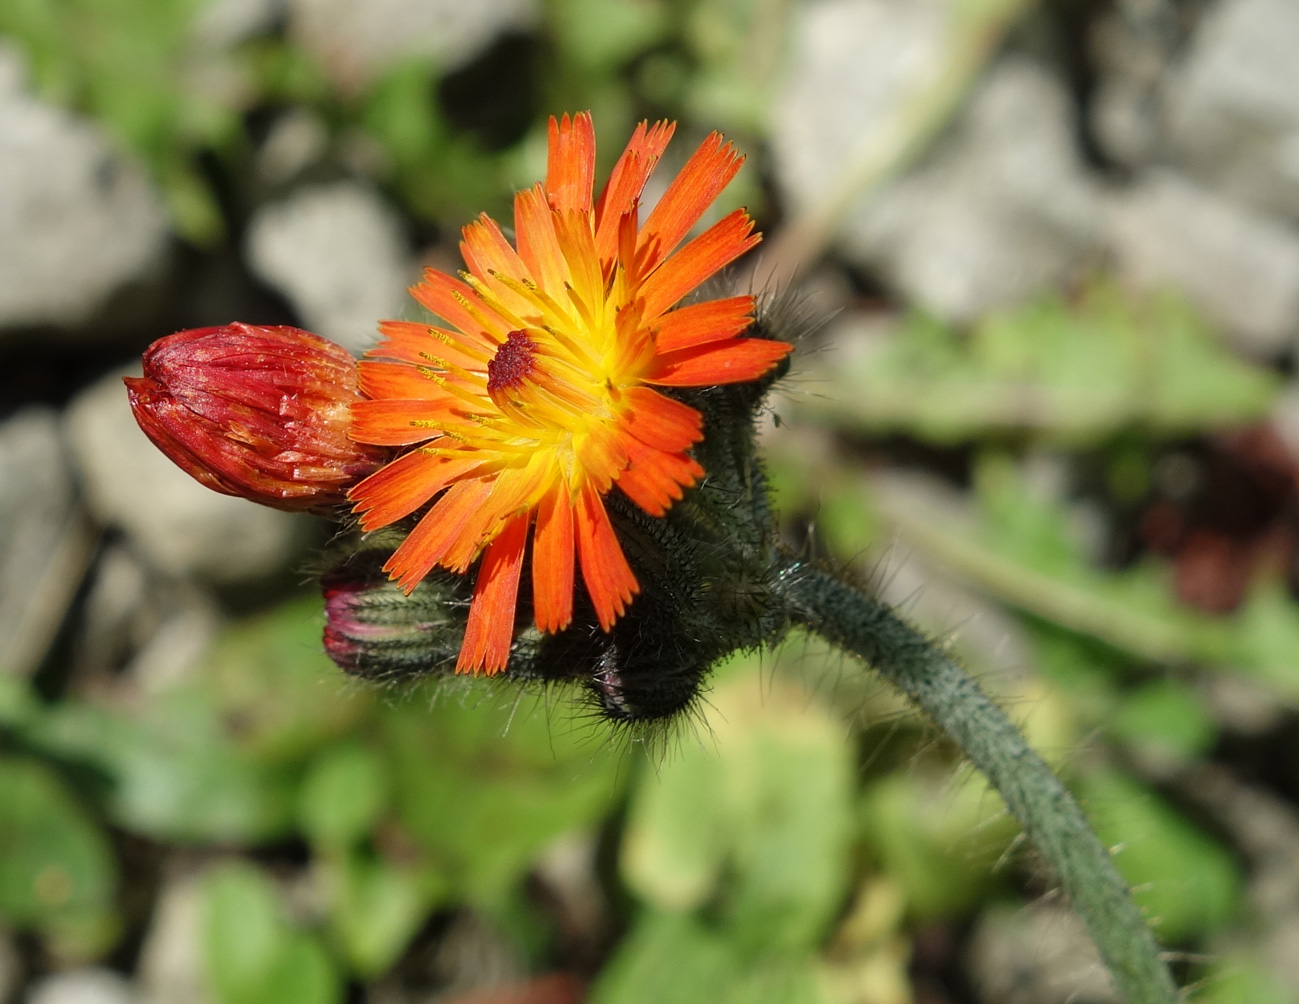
(1086, 490)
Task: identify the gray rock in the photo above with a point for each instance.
(79, 221)
(852, 66)
(1039, 954)
(177, 525)
(357, 41)
(92, 985)
(297, 139)
(337, 252)
(1239, 267)
(222, 24)
(45, 539)
(1001, 210)
(117, 616)
(1131, 44)
(177, 648)
(171, 958)
(1233, 108)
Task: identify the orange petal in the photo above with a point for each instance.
(403, 423)
(487, 255)
(602, 455)
(627, 181)
(655, 479)
(486, 645)
(608, 577)
(704, 322)
(514, 490)
(715, 248)
(403, 340)
(399, 488)
(440, 527)
(552, 562)
(661, 422)
(573, 232)
(397, 381)
(692, 191)
(625, 246)
(734, 360)
(457, 304)
(425, 345)
(534, 229)
(570, 162)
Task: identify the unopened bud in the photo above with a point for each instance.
(375, 631)
(258, 412)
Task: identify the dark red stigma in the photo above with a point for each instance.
(512, 363)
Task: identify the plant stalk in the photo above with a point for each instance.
(1051, 817)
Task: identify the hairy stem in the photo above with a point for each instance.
(1051, 818)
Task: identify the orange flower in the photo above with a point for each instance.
(535, 399)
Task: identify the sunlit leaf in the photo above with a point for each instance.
(343, 795)
(252, 954)
(1187, 883)
(56, 865)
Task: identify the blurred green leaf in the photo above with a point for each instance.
(737, 46)
(441, 173)
(56, 866)
(253, 956)
(598, 37)
(375, 910)
(1187, 883)
(18, 705)
(674, 957)
(278, 694)
(1018, 546)
(678, 831)
(343, 795)
(1066, 372)
(1241, 979)
(170, 772)
(940, 837)
(219, 755)
(484, 785)
(769, 808)
(1166, 717)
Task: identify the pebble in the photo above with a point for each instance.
(92, 985)
(1131, 46)
(338, 253)
(1001, 210)
(171, 957)
(79, 220)
(46, 542)
(1239, 267)
(852, 64)
(174, 523)
(1038, 954)
(357, 42)
(1233, 108)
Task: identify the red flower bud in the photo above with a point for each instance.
(375, 631)
(253, 411)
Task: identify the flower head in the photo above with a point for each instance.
(258, 412)
(537, 393)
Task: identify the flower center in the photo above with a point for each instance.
(512, 363)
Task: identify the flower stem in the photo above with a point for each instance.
(865, 626)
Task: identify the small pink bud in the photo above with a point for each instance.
(258, 412)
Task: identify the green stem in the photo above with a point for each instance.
(1051, 818)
